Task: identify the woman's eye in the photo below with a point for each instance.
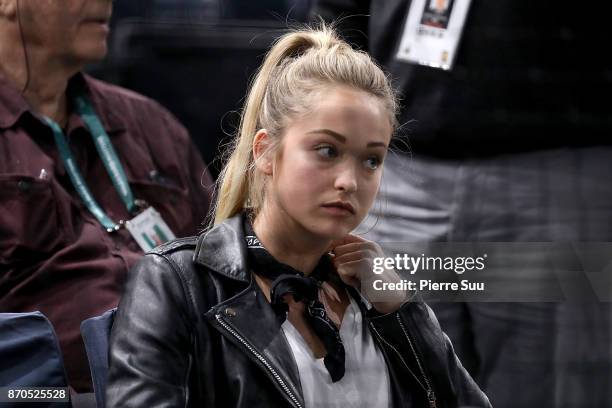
(373, 162)
(326, 151)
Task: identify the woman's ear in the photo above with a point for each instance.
(261, 152)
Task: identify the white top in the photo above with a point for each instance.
(366, 380)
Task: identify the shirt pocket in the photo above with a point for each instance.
(171, 202)
(29, 220)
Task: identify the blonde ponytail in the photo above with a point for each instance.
(299, 65)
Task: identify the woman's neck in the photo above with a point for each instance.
(287, 241)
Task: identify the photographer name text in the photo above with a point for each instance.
(428, 285)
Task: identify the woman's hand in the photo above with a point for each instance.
(354, 260)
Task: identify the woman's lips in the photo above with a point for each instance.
(335, 209)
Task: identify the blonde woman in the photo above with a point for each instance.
(263, 310)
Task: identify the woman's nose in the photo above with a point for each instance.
(346, 179)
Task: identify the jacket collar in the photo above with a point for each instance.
(222, 249)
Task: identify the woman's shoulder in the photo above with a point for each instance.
(195, 267)
(178, 246)
(175, 256)
(169, 275)
(172, 261)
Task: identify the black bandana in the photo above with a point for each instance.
(287, 280)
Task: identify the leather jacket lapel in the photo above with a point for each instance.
(223, 250)
(249, 321)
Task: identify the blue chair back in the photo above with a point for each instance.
(30, 355)
(96, 333)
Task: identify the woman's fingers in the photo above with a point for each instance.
(348, 272)
(348, 257)
(353, 259)
(352, 247)
(347, 239)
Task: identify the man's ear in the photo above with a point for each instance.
(261, 152)
(8, 9)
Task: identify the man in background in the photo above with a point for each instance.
(79, 161)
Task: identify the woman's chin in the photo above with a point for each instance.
(333, 231)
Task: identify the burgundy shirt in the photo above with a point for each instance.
(54, 255)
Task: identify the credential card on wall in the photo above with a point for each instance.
(432, 32)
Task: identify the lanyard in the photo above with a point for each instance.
(109, 158)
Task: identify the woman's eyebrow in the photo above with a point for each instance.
(330, 132)
(342, 138)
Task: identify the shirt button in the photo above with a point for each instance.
(24, 185)
(229, 312)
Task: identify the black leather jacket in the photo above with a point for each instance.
(194, 329)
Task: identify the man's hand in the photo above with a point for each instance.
(354, 259)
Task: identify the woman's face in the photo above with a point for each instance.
(328, 170)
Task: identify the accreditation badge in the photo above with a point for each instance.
(149, 229)
(432, 32)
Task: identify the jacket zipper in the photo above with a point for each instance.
(430, 393)
(261, 358)
(431, 398)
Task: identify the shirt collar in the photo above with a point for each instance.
(13, 105)
(102, 102)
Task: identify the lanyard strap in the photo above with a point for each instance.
(109, 159)
(106, 151)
